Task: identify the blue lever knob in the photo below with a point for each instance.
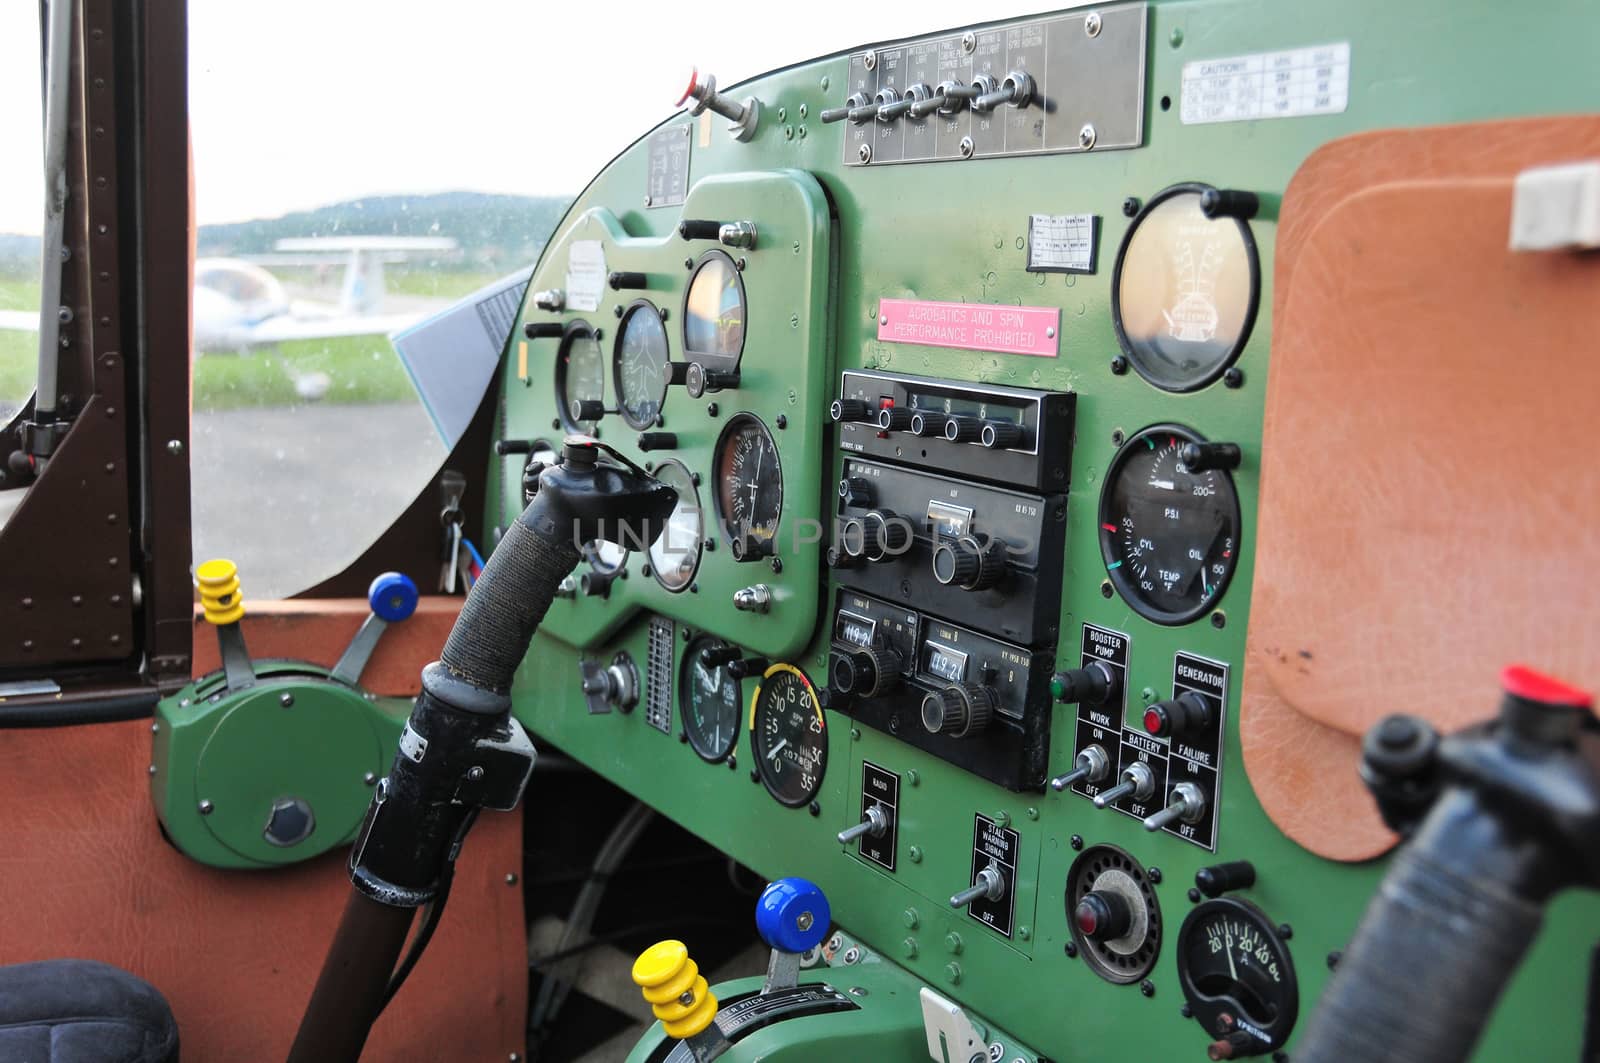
(792, 915)
(392, 596)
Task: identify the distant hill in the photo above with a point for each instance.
(496, 233)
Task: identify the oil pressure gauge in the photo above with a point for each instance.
(1169, 533)
(1236, 973)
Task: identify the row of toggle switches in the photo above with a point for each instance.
(982, 94)
(996, 435)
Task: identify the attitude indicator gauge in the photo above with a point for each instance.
(714, 313)
(1238, 977)
(709, 699)
(639, 365)
(1185, 289)
(580, 376)
(1169, 535)
(749, 487)
(788, 736)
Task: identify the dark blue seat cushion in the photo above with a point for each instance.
(79, 1011)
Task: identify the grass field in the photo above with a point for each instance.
(361, 369)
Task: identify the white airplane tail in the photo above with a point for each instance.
(363, 289)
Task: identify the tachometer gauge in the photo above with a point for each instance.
(1185, 290)
(675, 555)
(709, 700)
(788, 736)
(580, 375)
(714, 313)
(1238, 977)
(749, 486)
(1170, 537)
(639, 365)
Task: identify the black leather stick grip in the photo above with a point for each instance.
(508, 602)
(1436, 947)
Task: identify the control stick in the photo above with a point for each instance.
(1498, 819)
(461, 751)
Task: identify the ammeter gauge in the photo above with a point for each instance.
(1238, 977)
(788, 736)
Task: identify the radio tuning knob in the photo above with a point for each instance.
(998, 435)
(895, 418)
(1093, 684)
(1186, 804)
(959, 710)
(1186, 713)
(855, 491)
(1138, 782)
(969, 564)
(1203, 457)
(1090, 765)
(963, 429)
(926, 425)
(887, 535)
(850, 410)
(866, 672)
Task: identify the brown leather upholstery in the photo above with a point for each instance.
(1430, 496)
(318, 630)
(84, 872)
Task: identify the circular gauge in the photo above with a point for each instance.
(580, 375)
(714, 312)
(675, 555)
(1237, 975)
(1185, 290)
(606, 561)
(708, 698)
(1170, 537)
(788, 736)
(749, 486)
(639, 365)
(1113, 913)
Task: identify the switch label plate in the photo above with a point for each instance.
(881, 787)
(1000, 846)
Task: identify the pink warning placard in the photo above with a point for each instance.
(1034, 330)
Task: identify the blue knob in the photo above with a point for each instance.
(392, 596)
(792, 915)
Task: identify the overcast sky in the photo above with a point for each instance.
(305, 102)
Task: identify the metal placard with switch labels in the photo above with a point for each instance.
(998, 848)
(880, 788)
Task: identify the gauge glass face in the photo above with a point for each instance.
(605, 556)
(640, 365)
(709, 698)
(675, 555)
(749, 482)
(580, 376)
(788, 736)
(714, 311)
(1170, 537)
(1185, 291)
(1232, 962)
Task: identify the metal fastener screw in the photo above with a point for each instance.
(1091, 24)
(1155, 875)
(870, 60)
(174, 447)
(1050, 332)
(864, 153)
(152, 769)
(475, 773)
(286, 699)
(966, 147)
(206, 808)
(1071, 949)
(370, 778)
(1147, 987)
(511, 878)
(647, 199)
(1219, 620)
(1119, 366)
(1130, 206)
(1086, 137)
(1076, 841)
(1233, 378)
(969, 42)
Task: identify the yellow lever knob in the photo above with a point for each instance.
(218, 583)
(671, 983)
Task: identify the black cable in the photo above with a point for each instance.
(430, 923)
(66, 713)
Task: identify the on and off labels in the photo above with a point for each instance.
(1287, 84)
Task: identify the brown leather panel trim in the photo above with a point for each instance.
(84, 872)
(318, 630)
(1428, 503)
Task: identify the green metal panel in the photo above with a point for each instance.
(221, 759)
(956, 231)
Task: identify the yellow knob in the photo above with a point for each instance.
(218, 583)
(671, 983)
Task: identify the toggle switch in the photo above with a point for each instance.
(742, 116)
(1090, 765)
(624, 279)
(1186, 804)
(649, 441)
(1229, 203)
(982, 86)
(874, 823)
(887, 104)
(988, 885)
(543, 330)
(1187, 713)
(699, 380)
(1016, 90)
(1138, 782)
(914, 94)
(959, 710)
(1093, 684)
(1203, 457)
(855, 104)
